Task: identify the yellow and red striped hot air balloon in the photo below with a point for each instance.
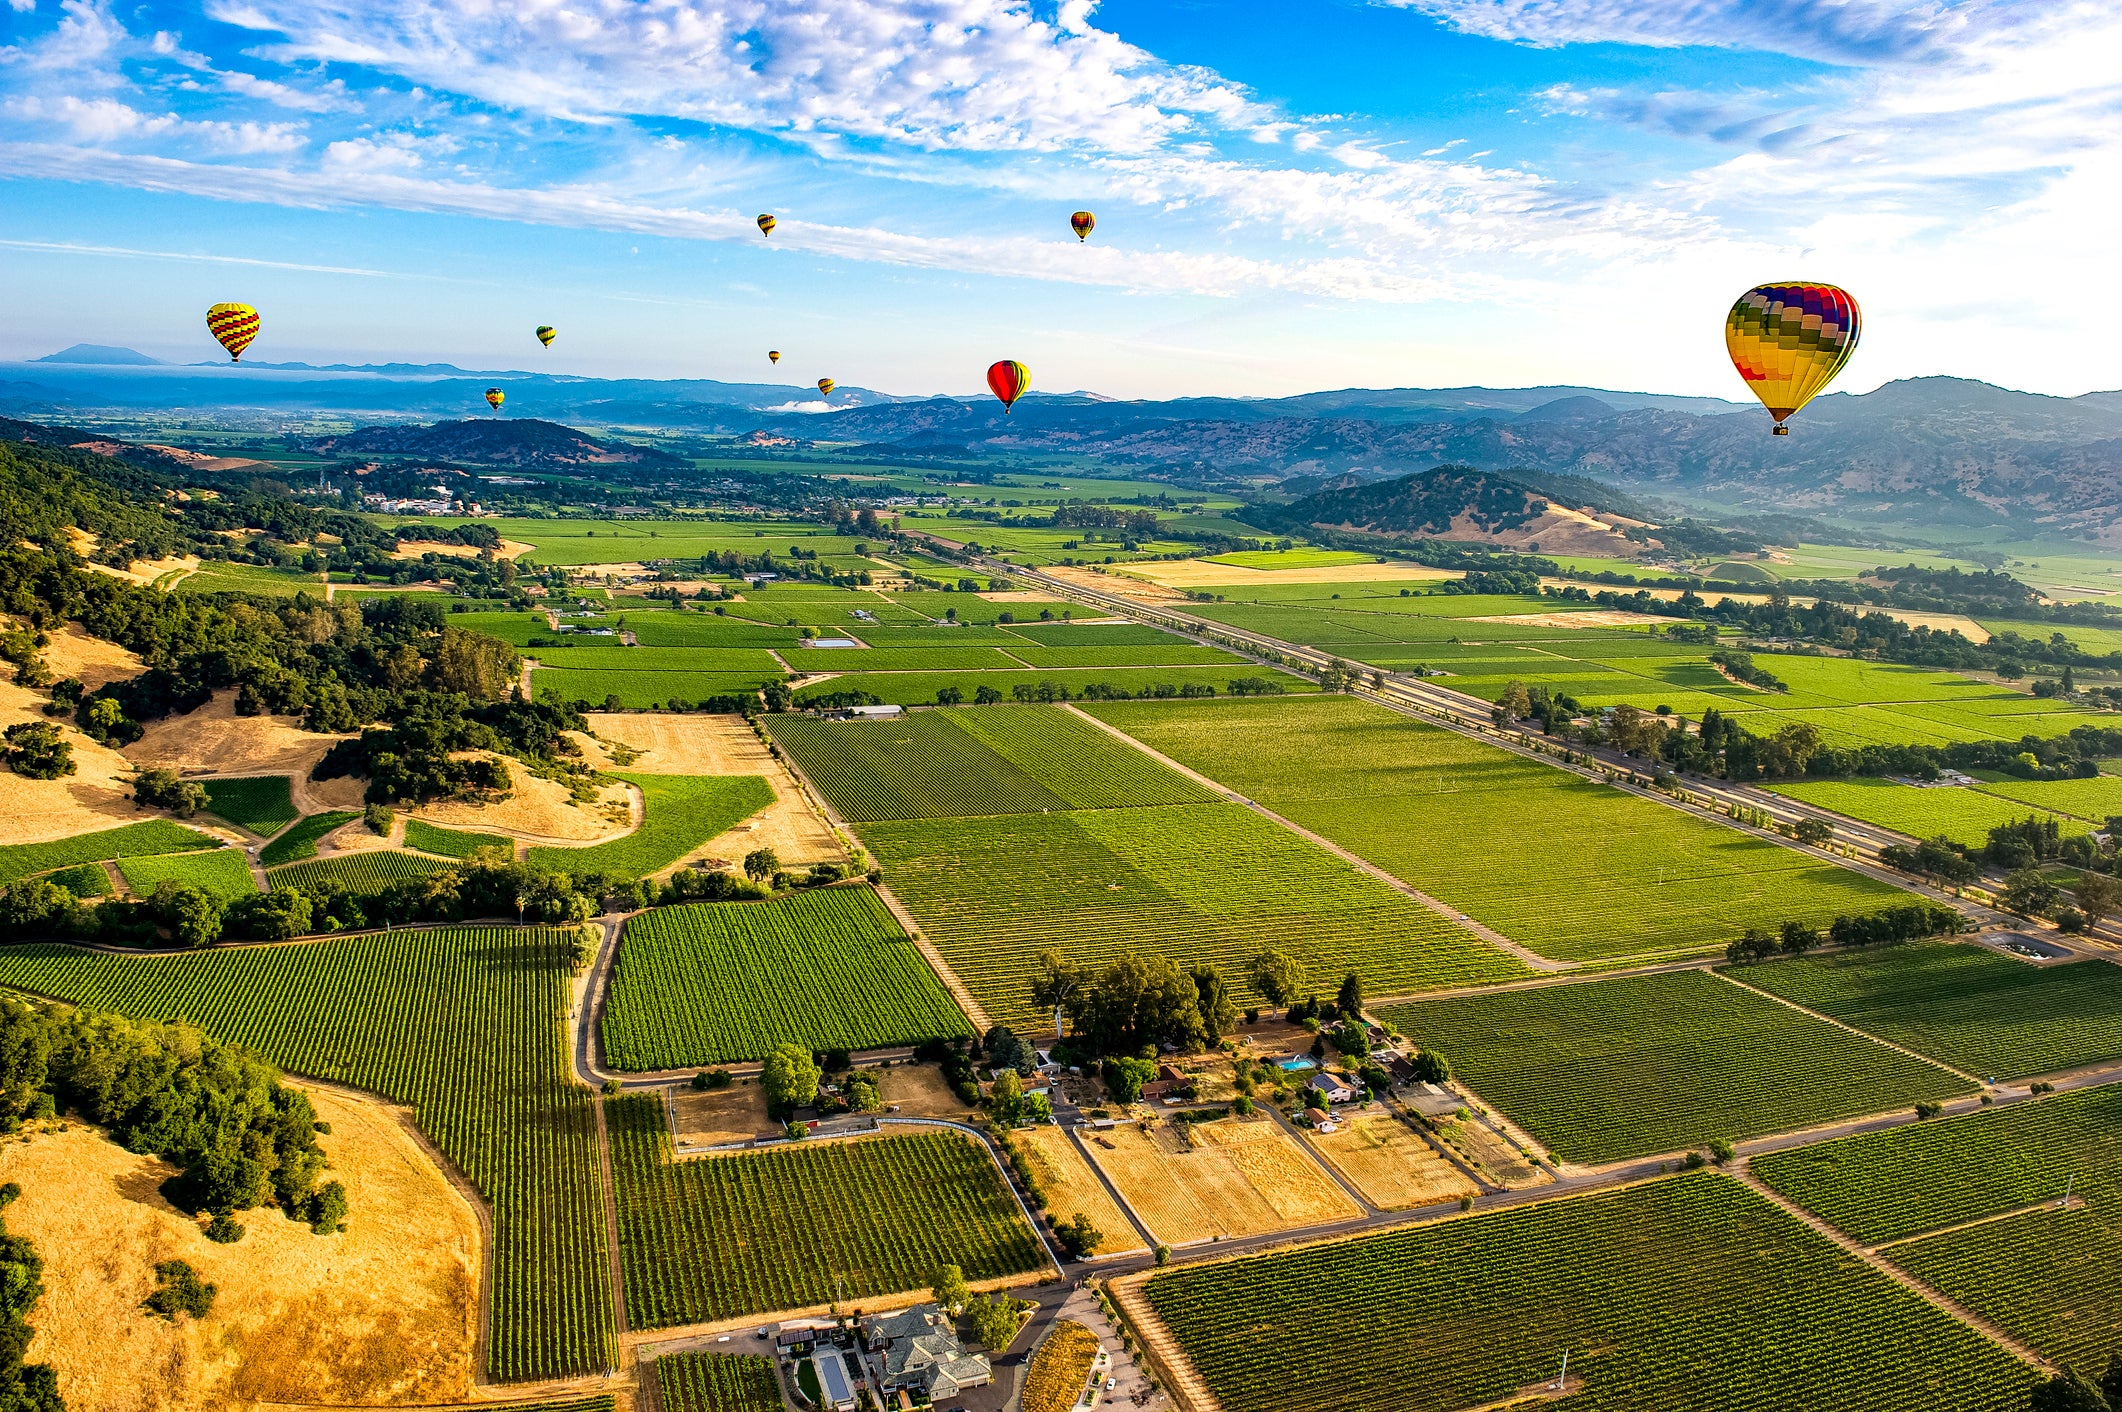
(233, 326)
(1789, 340)
(1008, 380)
(826, 386)
(773, 355)
(546, 334)
(495, 397)
(767, 224)
(1083, 223)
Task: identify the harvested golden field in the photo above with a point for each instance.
(920, 1092)
(1071, 1187)
(726, 745)
(415, 548)
(1199, 573)
(1389, 1163)
(1060, 1367)
(98, 795)
(541, 810)
(214, 740)
(383, 1314)
(1491, 1155)
(73, 653)
(715, 1116)
(1237, 1178)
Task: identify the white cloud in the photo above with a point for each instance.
(22, 7)
(86, 37)
(388, 152)
(106, 120)
(1833, 31)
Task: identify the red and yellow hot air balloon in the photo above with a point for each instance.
(1008, 380)
(826, 386)
(495, 397)
(1789, 340)
(1083, 223)
(773, 355)
(233, 326)
(546, 334)
(767, 224)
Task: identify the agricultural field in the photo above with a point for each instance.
(1659, 1291)
(1180, 653)
(455, 843)
(1599, 1071)
(366, 872)
(1060, 1368)
(714, 982)
(2095, 800)
(83, 880)
(20, 860)
(227, 576)
(974, 761)
(1963, 815)
(463, 1025)
(717, 1382)
(2044, 1273)
(1389, 1162)
(1572, 869)
(1301, 557)
(716, 1237)
(222, 874)
(1979, 1010)
(264, 804)
(643, 691)
(1231, 1177)
(1059, 684)
(300, 841)
(1196, 883)
(679, 813)
(1070, 1188)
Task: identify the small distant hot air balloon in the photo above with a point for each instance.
(767, 224)
(773, 355)
(546, 333)
(495, 397)
(826, 386)
(1008, 380)
(1789, 340)
(233, 326)
(1083, 223)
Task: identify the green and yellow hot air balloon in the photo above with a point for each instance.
(546, 334)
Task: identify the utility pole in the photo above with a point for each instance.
(1562, 1378)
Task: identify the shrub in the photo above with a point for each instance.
(37, 751)
(162, 789)
(179, 1290)
(224, 1230)
(379, 818)
(326, 1209)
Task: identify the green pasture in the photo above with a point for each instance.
(264, 804)
(680, 812)
(20, 860)
(223, 873)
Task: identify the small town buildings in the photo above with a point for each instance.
(920, 1350)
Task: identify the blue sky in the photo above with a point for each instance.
(1293, 195)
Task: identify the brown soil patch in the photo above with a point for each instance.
(918, 1091)
(1199, 573)
(1392, 1166)
(98, 795)
(414, 548)
(1238, 1178)
(1141, 590)
(214, 740)
(734, 1114)
(1071, 1187)
(385, 1313)
(1592, 618)
(146, 571)
(1490, 1155)
(536, 808)
(725, 745)
(200, 461)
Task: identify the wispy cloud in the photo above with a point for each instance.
(59, 247)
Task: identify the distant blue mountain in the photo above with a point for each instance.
(97, 354)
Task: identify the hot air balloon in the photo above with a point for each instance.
(826, 386)
(1083, 223)
(1789, 340)
(233, 326)
(1008, 380)
(495, 397)
(766, 225)
(546, 334)
(773, 355)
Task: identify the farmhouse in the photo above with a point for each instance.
(920, 1350)
(1334, 1088)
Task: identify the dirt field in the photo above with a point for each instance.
(413, 549)
(1139, 589)
(1239, 1178)
(536, 808)
(1596, 618)
(73, 653)
(1389, 1164)
(1199, 573)
(383, 1314)
(732, 1114)
(919, 1092)
(98, 795)
(214, 740)
(725, 745)
(1491, 1155)
(1071, 1187)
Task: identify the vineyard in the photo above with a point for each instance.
(1689, 1292)
(643, 691)
(715, 982)
(301, 841)
(263, 804)
(366, 872)
(974, 761)
(679, 813)
(717, 1237)
(1603, 1070)
(463, 1025)
(1205, 882)
(20, 860)
(1570, 868)
(2045, 1274)
(717, 1382)
(1963, 815)
(1061, 684)
(1176, 652)
(223, 873)
(1967, 1005)
(455, 843)
(83, 880)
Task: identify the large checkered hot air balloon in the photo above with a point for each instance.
(1789, 340)
(233, 327)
